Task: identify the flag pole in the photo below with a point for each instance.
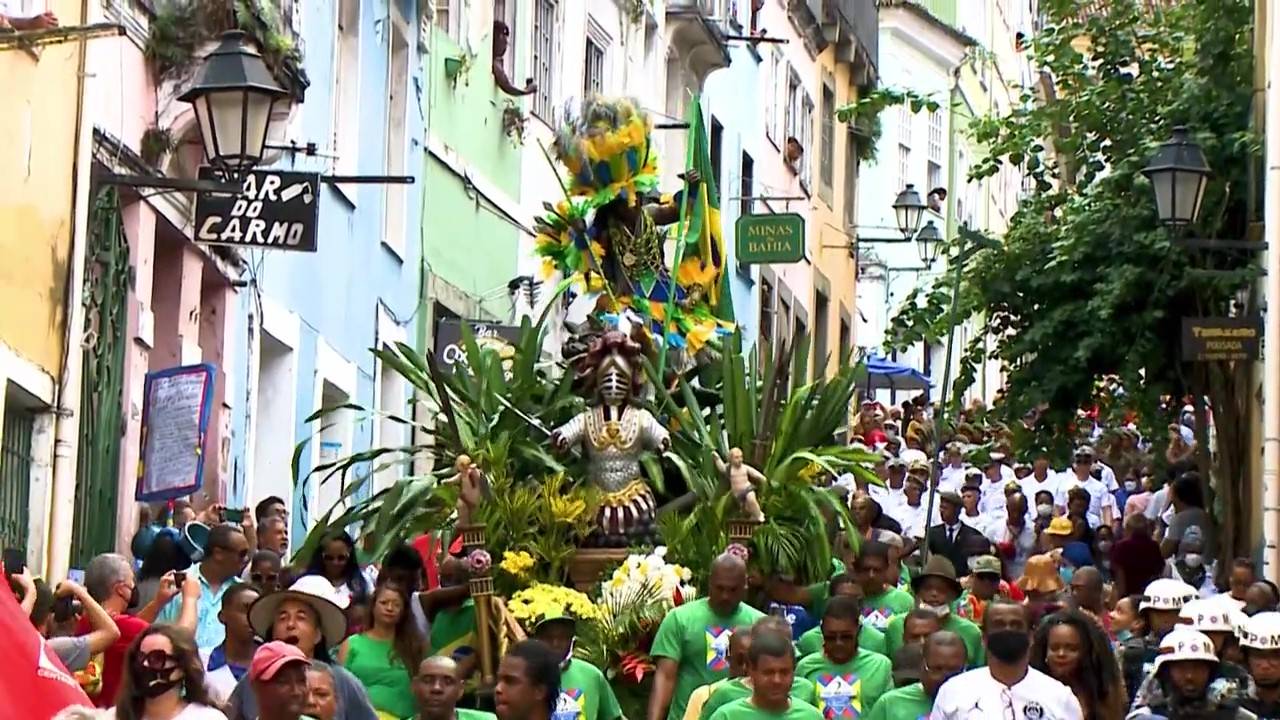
(695, 125)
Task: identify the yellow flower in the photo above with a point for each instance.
(516, 563)
(566, 510)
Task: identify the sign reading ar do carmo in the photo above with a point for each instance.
(771, 238)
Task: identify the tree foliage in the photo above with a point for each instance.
(1085, 283)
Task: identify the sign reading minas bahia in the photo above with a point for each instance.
(771, 238)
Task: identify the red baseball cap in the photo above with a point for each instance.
(272, 656)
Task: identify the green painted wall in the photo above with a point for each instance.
(466, 240)
(944, 10)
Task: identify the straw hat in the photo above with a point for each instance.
(313, 590)
(1040, 575)
(1183, 644)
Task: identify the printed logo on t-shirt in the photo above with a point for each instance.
(569, 705)
(879, 619)
(718, 647)
(839, 695)
(1033, 711)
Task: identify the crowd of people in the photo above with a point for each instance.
(990, 589)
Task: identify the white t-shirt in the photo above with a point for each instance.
(219, 682)
(975, 695)
(1099, 498)
(194, 711)
(952, 478)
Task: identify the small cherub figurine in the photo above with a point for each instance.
(741, 482)
(472, 487)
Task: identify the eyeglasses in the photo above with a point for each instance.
(335, 558)
(157, 660)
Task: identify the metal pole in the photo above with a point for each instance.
(1271, 357)
(936, 460)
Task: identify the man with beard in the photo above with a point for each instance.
(110, 581)
(944, 655)
(1008, 686)
(438, 690)
(1260, 640)
(1187, 670)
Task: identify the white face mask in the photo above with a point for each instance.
(1193, 560)
(940, 610)
(1044, 510)
(1131, 485)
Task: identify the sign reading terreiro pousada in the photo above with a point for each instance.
(1218, 338)
(770, 238)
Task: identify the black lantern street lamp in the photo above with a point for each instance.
(1179, 175)
(233, 97)
(908, 210)
(929, 242)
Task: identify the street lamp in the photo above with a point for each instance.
(232, 98)
(908, 209)
(929, 242)
(1179, 174)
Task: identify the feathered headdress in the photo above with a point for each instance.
(606, 148)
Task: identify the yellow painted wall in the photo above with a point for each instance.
(832, 257)
(37, 124)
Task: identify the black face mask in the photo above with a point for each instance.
(153, 683)
(1008, 645)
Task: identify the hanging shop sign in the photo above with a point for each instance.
(274, 210)
(451, 351)
(1219, 338)
(770, 238)
(175, 418)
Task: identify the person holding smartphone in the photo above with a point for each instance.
(74, 652)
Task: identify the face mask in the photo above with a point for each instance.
(1193, 560)
(940, 610)
(1044, 511)
(568, 656)
(1124, 635)
(1065, 572)
(1008, 645)
(154, 683)
(1130, 486)
(1104, 547)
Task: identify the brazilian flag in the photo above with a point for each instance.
(704, 260)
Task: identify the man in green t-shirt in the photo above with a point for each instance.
(879, 601)
(438, 687)
(869, 638)
(692, 644)
(771, 667)
(740, 688)
(845, 677)
(936, 589)
(944, 657)
(584, 693)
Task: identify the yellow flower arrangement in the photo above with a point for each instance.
(517, 563)
(541, 600)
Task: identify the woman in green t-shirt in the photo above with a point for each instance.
(381, 656)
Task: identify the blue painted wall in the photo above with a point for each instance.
(732, 96)
(336, 291)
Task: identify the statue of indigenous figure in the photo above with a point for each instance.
(609, 234)
(614, 431)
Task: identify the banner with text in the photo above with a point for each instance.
(175, 415)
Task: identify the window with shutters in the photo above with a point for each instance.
(827, 157)
(593, 77)
(544, 58)
(397, 114)
(346, 93)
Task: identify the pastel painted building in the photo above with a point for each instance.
(307, 321)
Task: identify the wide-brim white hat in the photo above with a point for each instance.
(316, 592)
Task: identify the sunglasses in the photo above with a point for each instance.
(259, 578)
(335, 558)
(157, 660)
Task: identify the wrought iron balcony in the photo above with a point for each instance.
(696, 32)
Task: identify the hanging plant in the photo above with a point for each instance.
(156, 143)
(458, 67)
(635, 10)
(864, 115)
(514, 123)
(180, 28)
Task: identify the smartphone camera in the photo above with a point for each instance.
(180, 579)
(233, 515)
(66, 608)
